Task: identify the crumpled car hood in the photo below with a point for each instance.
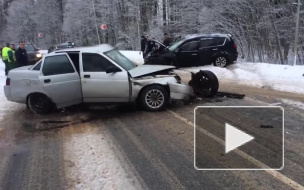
(148, 69)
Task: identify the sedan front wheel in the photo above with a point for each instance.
(154, 98)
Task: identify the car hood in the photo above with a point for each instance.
(148, 69)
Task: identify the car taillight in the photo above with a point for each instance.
(234, 45)
(8, 81)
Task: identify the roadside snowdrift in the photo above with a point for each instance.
(264, 75)
(279, 77)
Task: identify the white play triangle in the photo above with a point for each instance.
(235, 138)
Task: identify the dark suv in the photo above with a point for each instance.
(196, 50)
(61, 46)
(33, 54)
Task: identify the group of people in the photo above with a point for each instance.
(148, 45)
(13, 58)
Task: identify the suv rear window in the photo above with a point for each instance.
(191, 46)
(56, 65)
(28, 47)
(210, 42)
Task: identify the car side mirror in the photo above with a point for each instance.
(176, 50)
(113, 69)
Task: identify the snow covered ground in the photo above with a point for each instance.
(264, 75)
(5, 106)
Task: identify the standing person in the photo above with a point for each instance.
(143, 45)
(11, 63)
(150, 45)
(5, 56)
(167, 40)
(13, 47)
(21, 55)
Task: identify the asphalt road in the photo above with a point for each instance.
(155, 149)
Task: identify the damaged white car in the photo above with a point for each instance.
(100, 74)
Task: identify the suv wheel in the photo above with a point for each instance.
(220, 61)
(40, 103)
(154, 98)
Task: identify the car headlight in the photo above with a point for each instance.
(38, 55)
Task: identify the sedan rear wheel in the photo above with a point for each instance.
(40, 103)
(154, 98)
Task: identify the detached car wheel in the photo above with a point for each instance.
(220, 61)
(40, 103)
(204, 83)
(154, 98)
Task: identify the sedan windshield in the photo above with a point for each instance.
(176, 44)
(120, 59)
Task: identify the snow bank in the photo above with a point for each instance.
(5, 105)
(265, 75)
(279, 77)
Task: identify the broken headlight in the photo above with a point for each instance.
(178, 79)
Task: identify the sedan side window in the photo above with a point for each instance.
(56, 65)
(93, 62)
(37, 67)
(191, 46)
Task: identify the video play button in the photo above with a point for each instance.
(235, 138)
(238, 138)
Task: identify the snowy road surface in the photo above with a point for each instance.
(120, 148)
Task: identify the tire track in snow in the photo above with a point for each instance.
(91, 161)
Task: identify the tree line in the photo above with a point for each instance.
(264, 30)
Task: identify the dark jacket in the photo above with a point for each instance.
(143, 43)
(150, 46)
(167, 42)
(21, 57)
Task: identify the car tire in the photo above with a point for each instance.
(40, 103)
(220, 61)
(154, 98)
(204, 83)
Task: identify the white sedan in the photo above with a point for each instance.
(99, 74)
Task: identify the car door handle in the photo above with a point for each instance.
(47, 80)
(215, 49)
(194, 54)
(86, 76)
